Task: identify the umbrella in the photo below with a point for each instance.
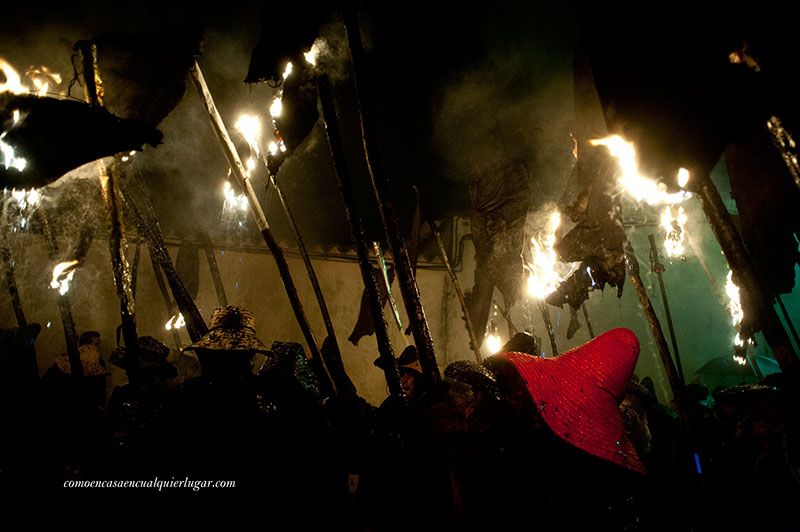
(724, 371)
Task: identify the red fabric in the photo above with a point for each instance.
(577, 394)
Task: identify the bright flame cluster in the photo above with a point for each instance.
(312, 55)
(674, 225)
(62, 275)
(737, 315)
(249, 126)
(544, 271)
(10, 160)
(175, 322)
(276, 108)
(234, 201)
(26, 201)
(41, 77)
(493, 343)
(641, 188)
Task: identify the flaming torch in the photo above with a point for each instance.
(644, 189)
(639, 187)
(62, 275)
(545, 272)
(737, 315)
(493, 343)
(243, 180)
(175, 322)
(674, 225)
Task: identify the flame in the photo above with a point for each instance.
(62, 275)
(493, 343)
(13, 82)
(545, 271)
(640, 187)
(734, 300)
(175, 322)
(249, 126)
(312, 55)
(234, 200)
(42, 78)
(10, 160)
(273, 148)
(250, 165)
(26, 198)
(674, 225)
(288, 70)
(276, 108)
(737, 315)
(683, 177)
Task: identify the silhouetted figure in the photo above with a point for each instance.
(566, 460)
(19, 375)
(74, 437)
(230, 425)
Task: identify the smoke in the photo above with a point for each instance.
(517, 102)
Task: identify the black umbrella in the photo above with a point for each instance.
(725, 371)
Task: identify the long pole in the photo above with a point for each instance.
(658, 268)
(675, 382)
(473, 338)
(301, 246)
(549, 326)
(137, 255)
(195, 325)
(11, 282)
(64, 306)
(110, 188)
(376, 247)
(261, 221)
(162, 287)
(382, 188)
(330, 346)
(588, 321)
(359, 238)
(756, 298)
(213, 267)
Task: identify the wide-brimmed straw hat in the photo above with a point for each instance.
(408, 360)
(152, 358)
(90, 360)
(231, 329)
(577, 394)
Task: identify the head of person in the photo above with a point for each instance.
(90, 338)
(522, 342)
(576, 395)
(227, 349)
(152, 365)
(410, 373)
(411, 377)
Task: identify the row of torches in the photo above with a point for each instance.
(544, 271)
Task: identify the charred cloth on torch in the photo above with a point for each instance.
(56, 136)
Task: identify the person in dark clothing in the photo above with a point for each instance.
(133, 405)
(229, 425)
(74, 437)
(410, 455)
(564, 457)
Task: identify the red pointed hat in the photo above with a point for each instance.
(577, 394)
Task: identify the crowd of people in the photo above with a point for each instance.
(518, 442)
